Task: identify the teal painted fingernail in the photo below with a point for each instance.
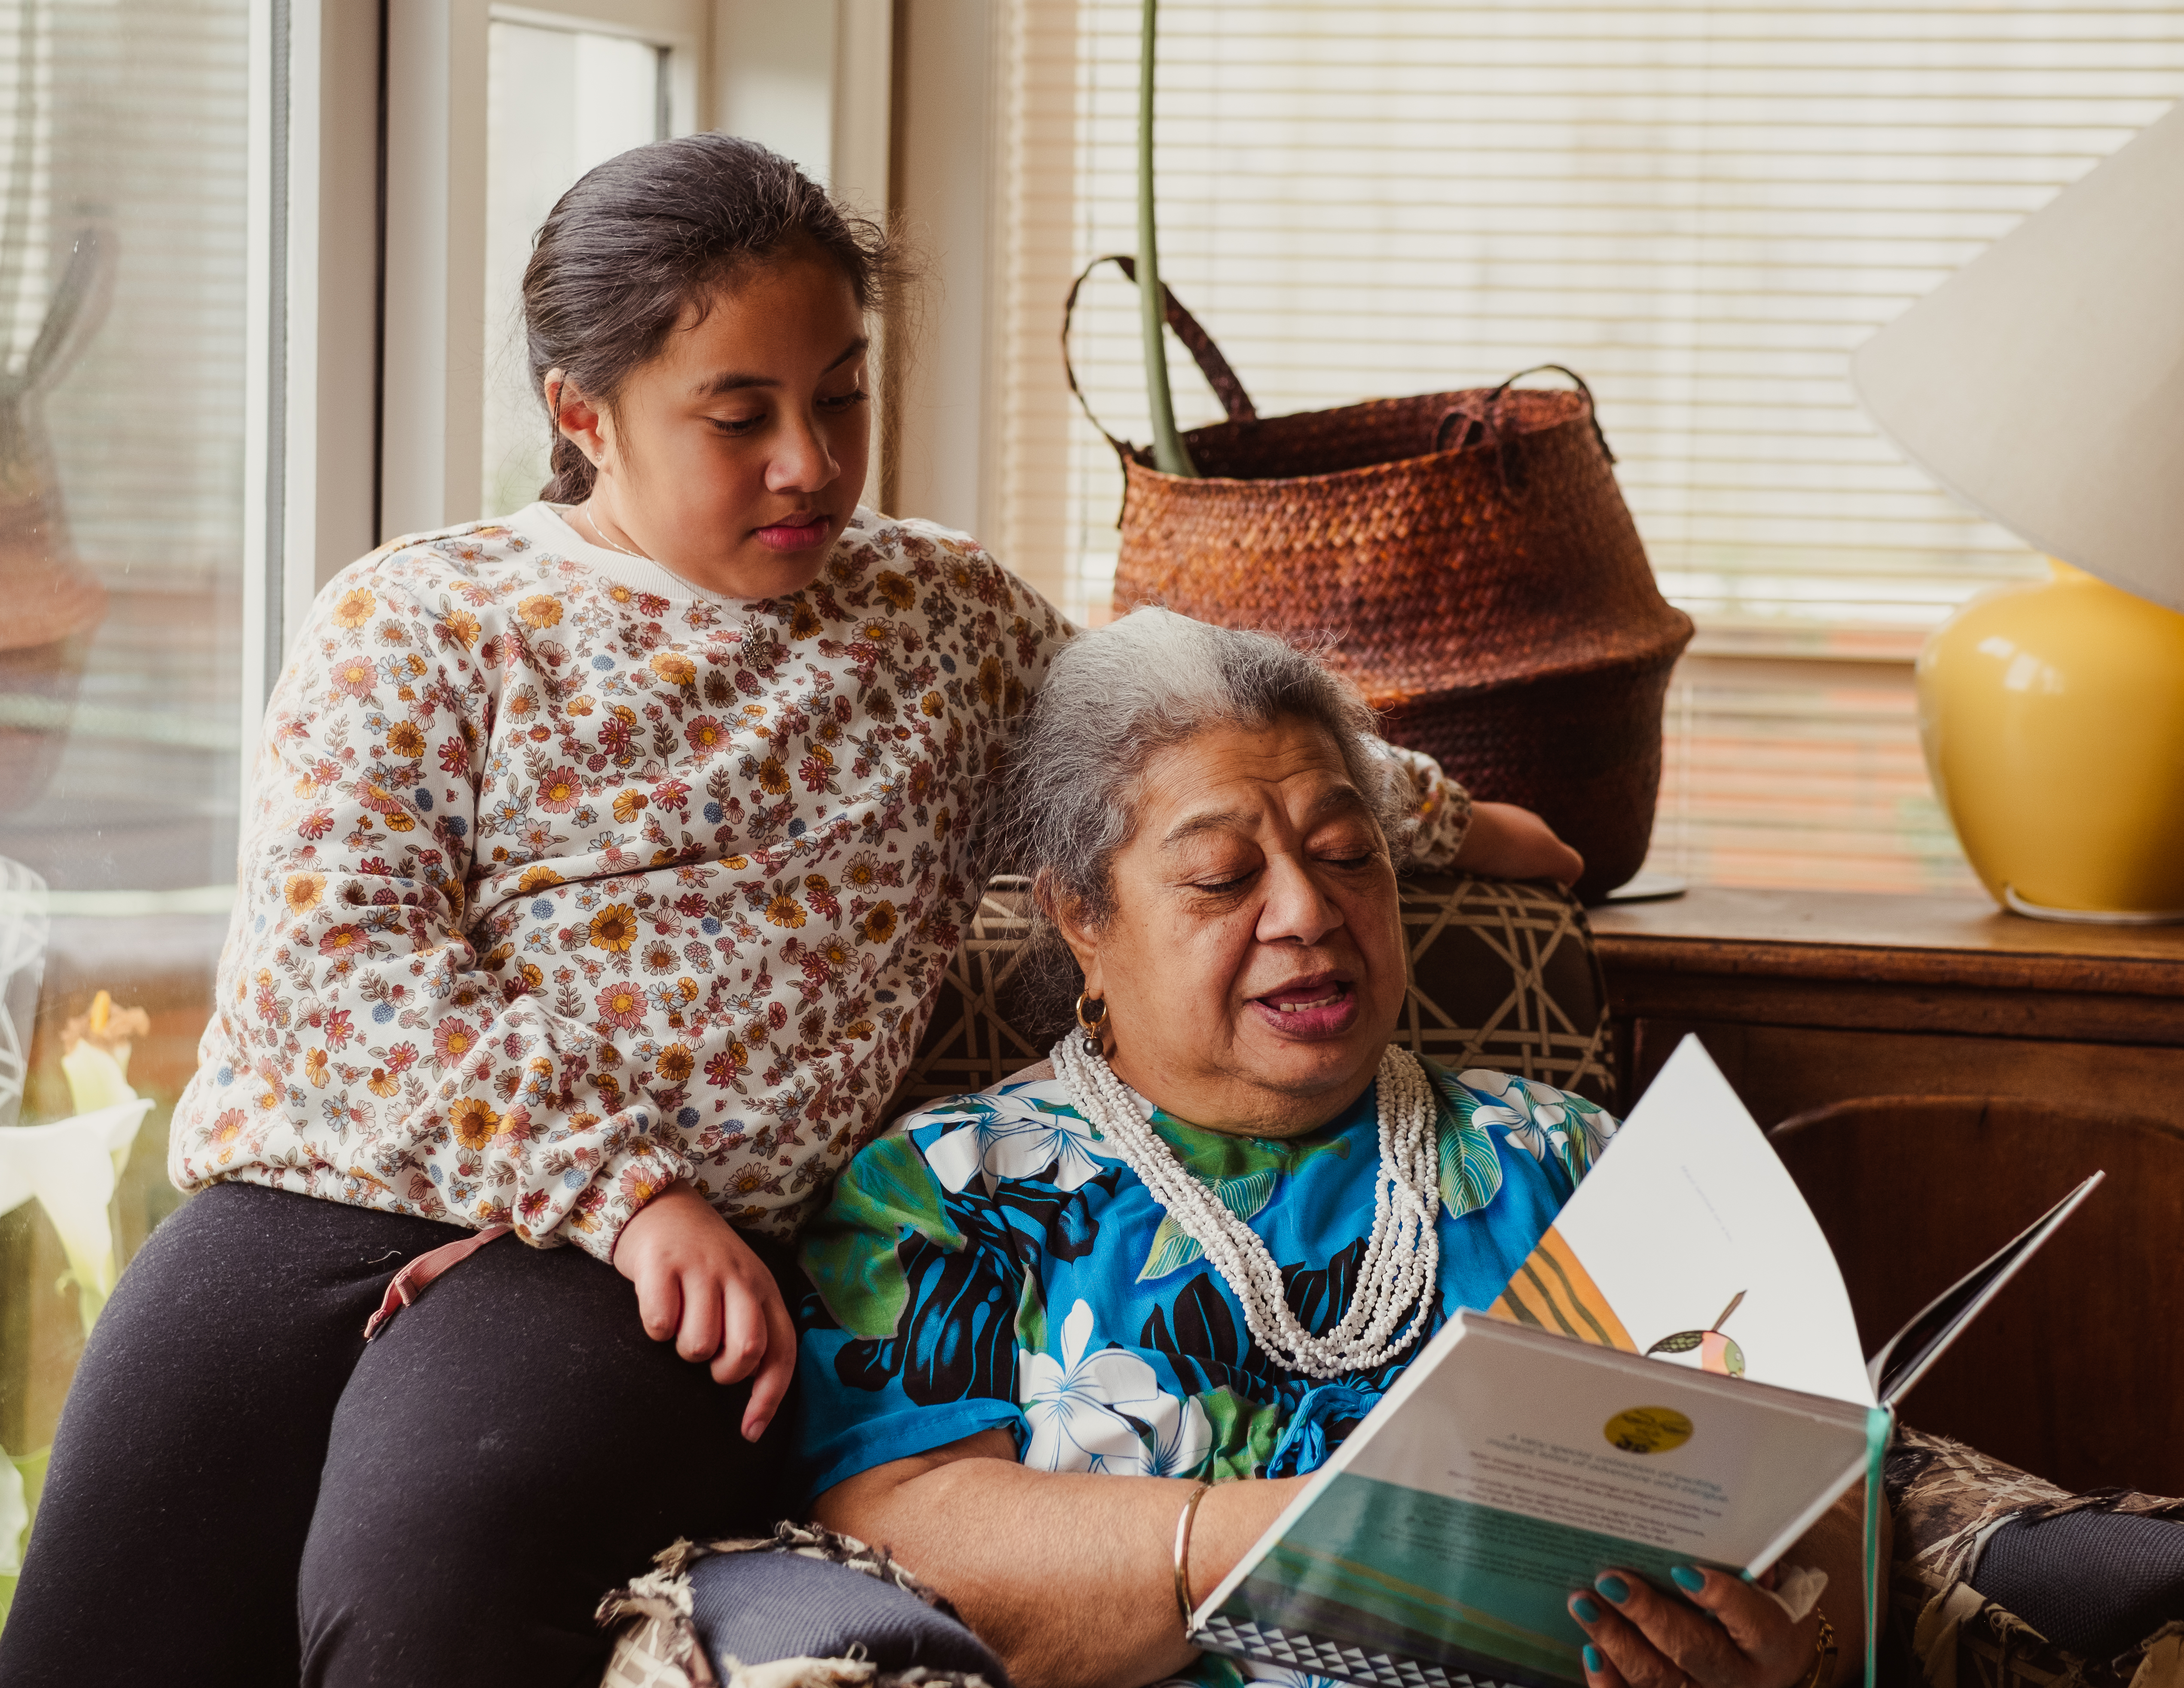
(1685, 1577)
(1587, 1612)
(1613, 1587)
(1593, 1662)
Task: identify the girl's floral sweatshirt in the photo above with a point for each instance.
(564, 879)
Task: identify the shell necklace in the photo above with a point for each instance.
(1402, 1267)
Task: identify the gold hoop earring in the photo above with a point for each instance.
(1091, 1028)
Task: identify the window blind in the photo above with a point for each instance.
(129, 117)
(1702, 209)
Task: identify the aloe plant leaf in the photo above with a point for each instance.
(1170, 454)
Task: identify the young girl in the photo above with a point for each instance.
(602, 866)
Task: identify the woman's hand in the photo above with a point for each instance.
(1509, 843)
(1643, 1639)
(698, 1282)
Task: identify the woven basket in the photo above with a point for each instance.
(1471, 556)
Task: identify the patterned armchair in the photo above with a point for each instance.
(1503, 975)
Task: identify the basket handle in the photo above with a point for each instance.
(1591, 404)
(1200, 344)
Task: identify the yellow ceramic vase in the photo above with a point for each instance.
(2053, 717)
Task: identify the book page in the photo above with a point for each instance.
(1504, 1472)
(1688, 1242)
(1903, 1359)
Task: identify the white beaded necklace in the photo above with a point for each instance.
(1396, 1280)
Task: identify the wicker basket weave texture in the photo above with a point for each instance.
(1493, 599)
(1470, 555)
(1582, 750)
(1459, 539)
(1436, 570)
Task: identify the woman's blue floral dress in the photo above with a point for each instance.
(987, 1264)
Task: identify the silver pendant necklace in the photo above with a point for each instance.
(592, 522)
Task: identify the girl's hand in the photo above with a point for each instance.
(1643, 1639)
(698, 1282)
(1509, 843)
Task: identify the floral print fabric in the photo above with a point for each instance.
(988, 1264)
(563, 879)
(557, 887)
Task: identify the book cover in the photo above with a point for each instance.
(1674, 1376)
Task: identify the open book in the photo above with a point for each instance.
(1672, 1378)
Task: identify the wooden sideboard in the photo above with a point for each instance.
(1806, 997)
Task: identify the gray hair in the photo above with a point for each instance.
(1114, 698)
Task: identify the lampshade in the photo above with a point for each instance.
(2043, 383)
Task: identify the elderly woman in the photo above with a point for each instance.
(1196, 1246)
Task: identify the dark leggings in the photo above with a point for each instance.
(242, 1492)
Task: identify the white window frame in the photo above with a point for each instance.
(311, 367)
(433, 346)
(366, 265)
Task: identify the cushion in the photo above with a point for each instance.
(802, 1608)
(1503, 975)
(757, 1609)
(1948, 1626)
(2097, 1582)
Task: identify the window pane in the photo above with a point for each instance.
(1802, 772)
(560, 101)
(123, 142)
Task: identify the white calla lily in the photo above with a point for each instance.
(22, 928)
(96, 1080)
(15, 1517)
(71, 1167)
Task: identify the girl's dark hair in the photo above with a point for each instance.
(642, 237)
